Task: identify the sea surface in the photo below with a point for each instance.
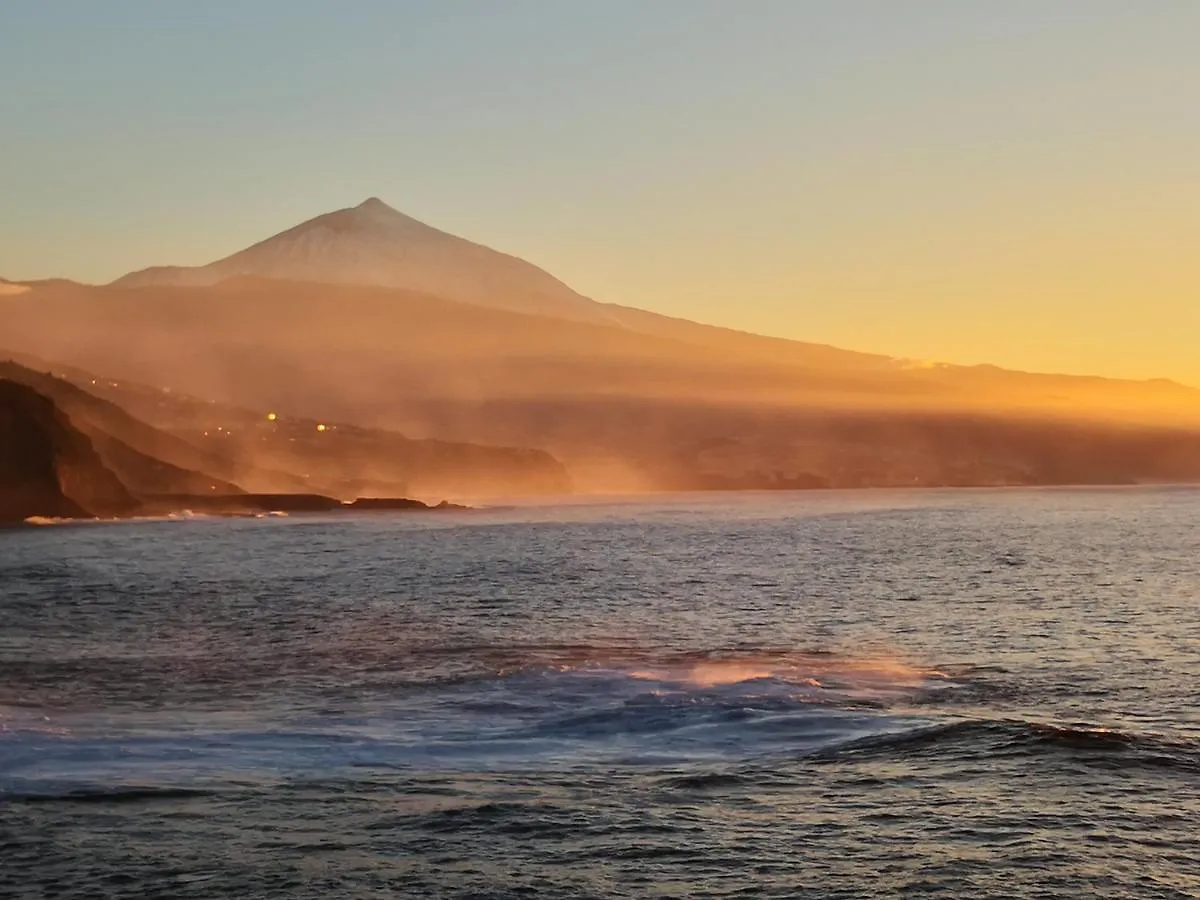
(952, 694)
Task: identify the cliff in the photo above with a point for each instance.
(48, 467)
(145, 459)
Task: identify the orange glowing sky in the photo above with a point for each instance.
(1014, 182)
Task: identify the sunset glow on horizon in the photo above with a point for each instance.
(1010, 183)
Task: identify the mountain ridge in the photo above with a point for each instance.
(374, 244)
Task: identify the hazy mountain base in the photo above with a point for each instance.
(654, 445)
(161, 442)
(52, 470)
(623, 409)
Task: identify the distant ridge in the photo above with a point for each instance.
(374, 244)
(12, 288)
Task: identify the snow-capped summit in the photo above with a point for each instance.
(374, 203)
(374, 244)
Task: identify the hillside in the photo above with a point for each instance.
(146, 460)
(169, 442)
(47, 466)
(624, 409)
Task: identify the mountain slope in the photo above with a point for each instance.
(729, 341)
(342, 350)
(147, 460)
(149, 435)
(623, 409)
(47, 466)
(374, 244)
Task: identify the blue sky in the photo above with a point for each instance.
(1016, 182)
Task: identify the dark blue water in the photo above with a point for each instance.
(960, 693)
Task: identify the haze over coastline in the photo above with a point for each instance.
(365, 318)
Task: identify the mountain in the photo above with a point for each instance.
(48, 467)
(374, 244)
(428, 352)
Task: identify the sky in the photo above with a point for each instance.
(1004, 181)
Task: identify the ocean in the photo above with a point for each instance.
(983, 693)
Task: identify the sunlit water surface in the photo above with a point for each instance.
(960, 693)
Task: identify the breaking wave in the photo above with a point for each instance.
(560, 708)
(182, 515)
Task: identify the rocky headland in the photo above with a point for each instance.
(67, 454)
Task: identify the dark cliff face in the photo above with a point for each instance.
(146, 460)
(47, 466)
